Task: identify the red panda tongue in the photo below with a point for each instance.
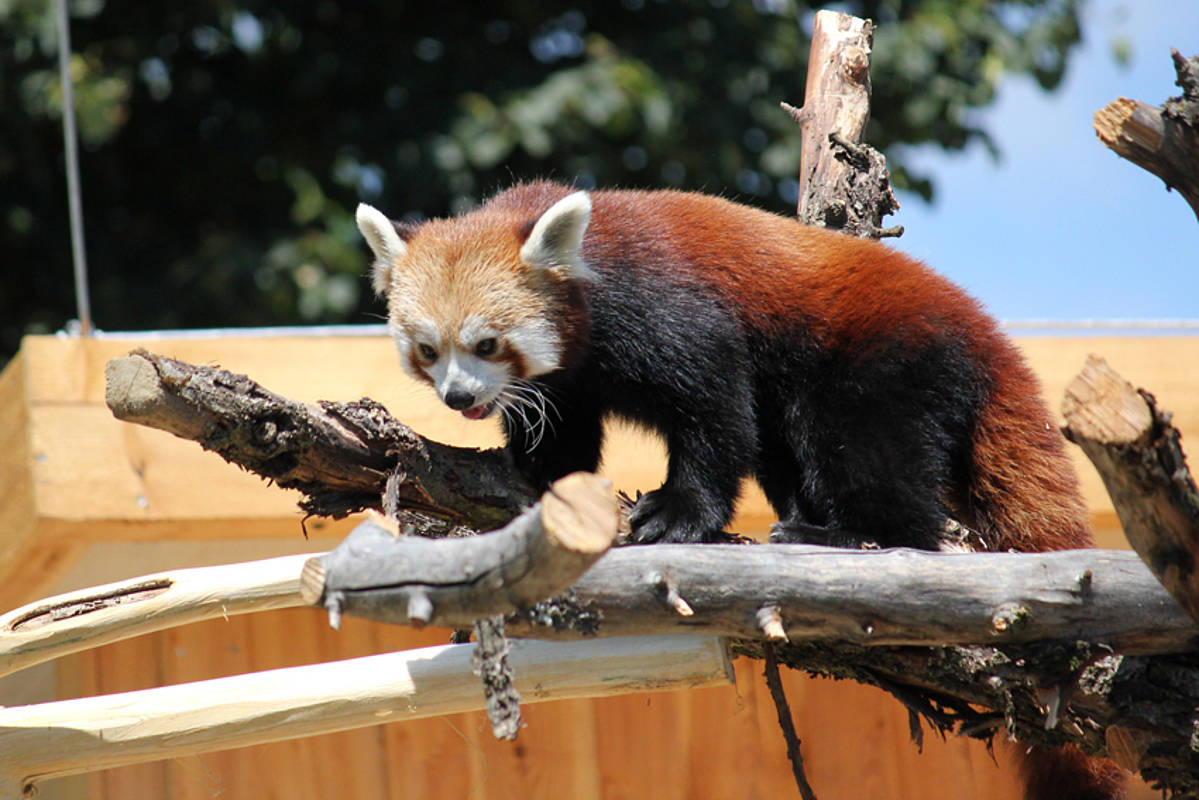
(477, 412)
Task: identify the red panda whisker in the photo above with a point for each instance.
(523, 395)
(517, 404)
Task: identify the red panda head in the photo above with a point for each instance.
(474, 310)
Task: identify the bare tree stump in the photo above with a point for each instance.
(843, 184)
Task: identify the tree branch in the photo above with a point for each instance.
(1138, 453)
(379, 574)
(896, 597)
(339, 455)
(73, 736)
(1163, 140)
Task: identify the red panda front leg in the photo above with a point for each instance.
(544, 452)
(671, 516)
(702, 483)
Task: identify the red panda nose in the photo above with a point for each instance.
(459, 400)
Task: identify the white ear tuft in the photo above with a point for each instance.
(557, 236)
(384, 242)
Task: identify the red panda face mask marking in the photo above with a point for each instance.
(469, 313)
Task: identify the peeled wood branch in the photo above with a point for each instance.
(1163, 140)
(73, 736)
(1138, 453)
(99, 615)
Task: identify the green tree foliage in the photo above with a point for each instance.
(225, 143)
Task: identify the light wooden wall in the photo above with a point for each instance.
(86, 499)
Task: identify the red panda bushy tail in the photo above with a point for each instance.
(1024, 495)
(1066, 773)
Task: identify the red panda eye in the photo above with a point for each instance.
(426, 352)
(486, 347)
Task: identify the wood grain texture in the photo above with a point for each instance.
(92, 617)
(17, 517)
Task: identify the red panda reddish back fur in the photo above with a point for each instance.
(1022, 492)
(868, 395)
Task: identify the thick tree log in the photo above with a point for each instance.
(895, 597)
(73, 736)
(339, 455)
(1163, 140)
(1138, 453)
(843, 184)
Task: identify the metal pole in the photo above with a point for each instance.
(82, 299)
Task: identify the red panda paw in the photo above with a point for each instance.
(671, 516)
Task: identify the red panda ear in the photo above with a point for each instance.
(554, 242)
(385, 243)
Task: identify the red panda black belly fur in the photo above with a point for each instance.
(869, 396)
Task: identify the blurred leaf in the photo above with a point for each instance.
(226, 144)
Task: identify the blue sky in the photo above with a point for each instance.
(1060, 227)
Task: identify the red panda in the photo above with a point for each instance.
(870, 397)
